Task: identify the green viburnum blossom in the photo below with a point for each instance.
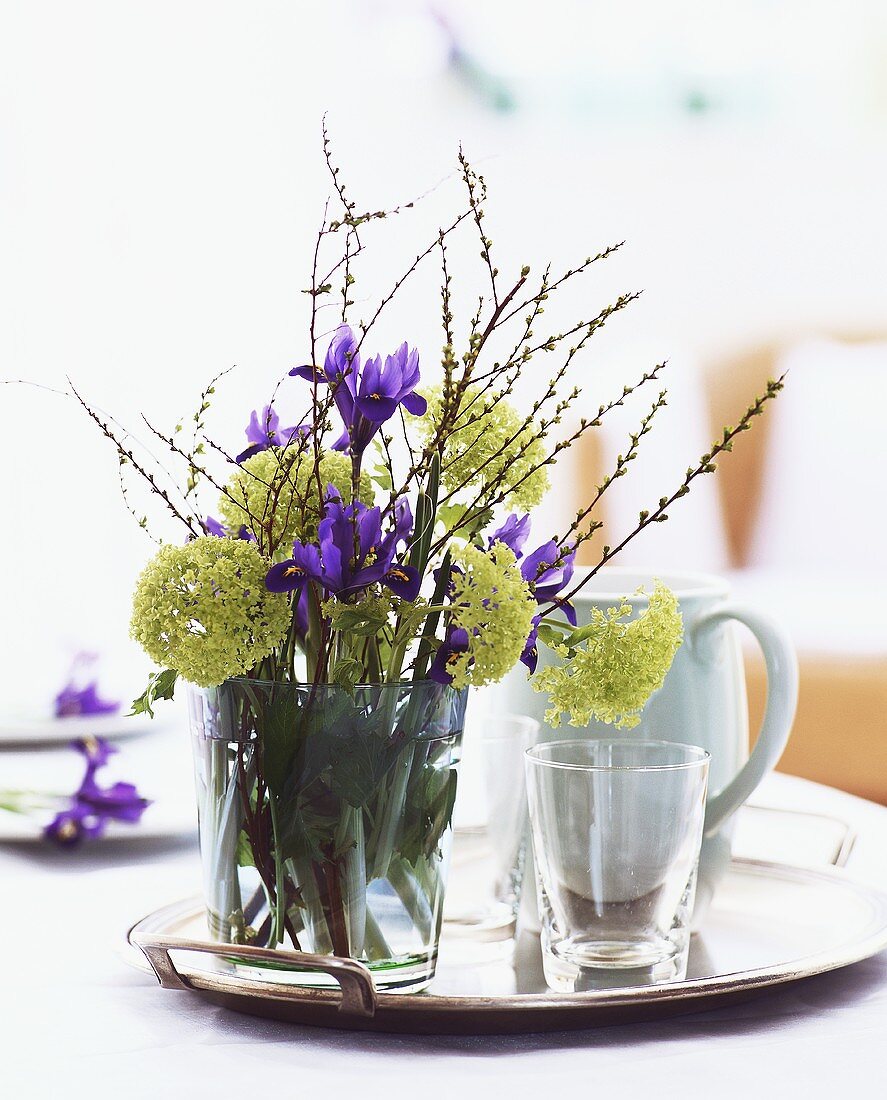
(203, 610)
(612, 667)
(275, 494)
(493, 450)
(493, 603)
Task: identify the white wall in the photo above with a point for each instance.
(161, 180)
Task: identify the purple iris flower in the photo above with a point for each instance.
(72, 702)
(530, 655)
(215, 527)
(547, 571)
(352, 553)
(92, 806)
(293, 575)
(265, 433)
(454, 644)
(219, 530)
(366, 396)
(514, 532)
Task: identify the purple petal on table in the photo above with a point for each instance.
(73, 702)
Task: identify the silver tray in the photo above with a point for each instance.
(769, 924)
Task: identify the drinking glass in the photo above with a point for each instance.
(617, 827)
(489, 839)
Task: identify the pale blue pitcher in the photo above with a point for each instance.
(703, 700)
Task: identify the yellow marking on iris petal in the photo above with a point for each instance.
(398, 574)
(294, 571)
(91, 746)
(67, 830)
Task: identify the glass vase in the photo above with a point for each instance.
(325, 822)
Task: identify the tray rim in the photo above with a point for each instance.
(425, 1003)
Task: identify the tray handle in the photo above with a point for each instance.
(355, 982)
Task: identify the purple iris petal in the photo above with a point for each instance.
(514, 532)
(378, 392)
(456, 642)
(215, 527)
(92, 806)
(368, 395)
(72, 702)
(400, 533)
(309, 373)
(548, 570)
(266, 432)
(294, 574)
(301, 613)
(68, 827)
(404, 581)
(415, 404)
(352, 553)
(97, 751)
(530, 655)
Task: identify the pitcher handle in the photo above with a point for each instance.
(782, 700)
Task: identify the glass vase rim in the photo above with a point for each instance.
(254, 682)
(700, 758)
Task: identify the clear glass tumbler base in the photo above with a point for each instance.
(585, 966)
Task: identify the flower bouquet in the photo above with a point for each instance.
(361, 570)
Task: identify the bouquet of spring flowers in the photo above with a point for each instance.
(360, 570)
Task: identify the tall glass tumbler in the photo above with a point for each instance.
(617, 826)
(489, 839)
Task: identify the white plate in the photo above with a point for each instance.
(160, 821)
(19, 732)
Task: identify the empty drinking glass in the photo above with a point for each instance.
(617, 826)
(490, 837)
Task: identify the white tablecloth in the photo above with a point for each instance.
(77, 1021)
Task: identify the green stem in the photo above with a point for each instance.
(414, 898)
(376, 946)
(279, 880)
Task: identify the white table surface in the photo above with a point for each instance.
(76, 1020)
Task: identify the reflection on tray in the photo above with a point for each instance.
(795, 837)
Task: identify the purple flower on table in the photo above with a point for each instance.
(352, 553)
(548, 570)
(267, 432)
(514, 532)
(452, 647)
(92, 806)
(368, 395)
(73, 701)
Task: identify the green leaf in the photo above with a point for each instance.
(245, 857)
(359, 619)
(280, 728)
(346, 672)
(382, 477)
(552, 635)
(161, 685)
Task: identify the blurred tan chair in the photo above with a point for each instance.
(840, 734)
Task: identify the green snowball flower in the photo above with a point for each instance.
(275, 494)
(612, 667)
(492, 449)
(203, 610)
(494, 605)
